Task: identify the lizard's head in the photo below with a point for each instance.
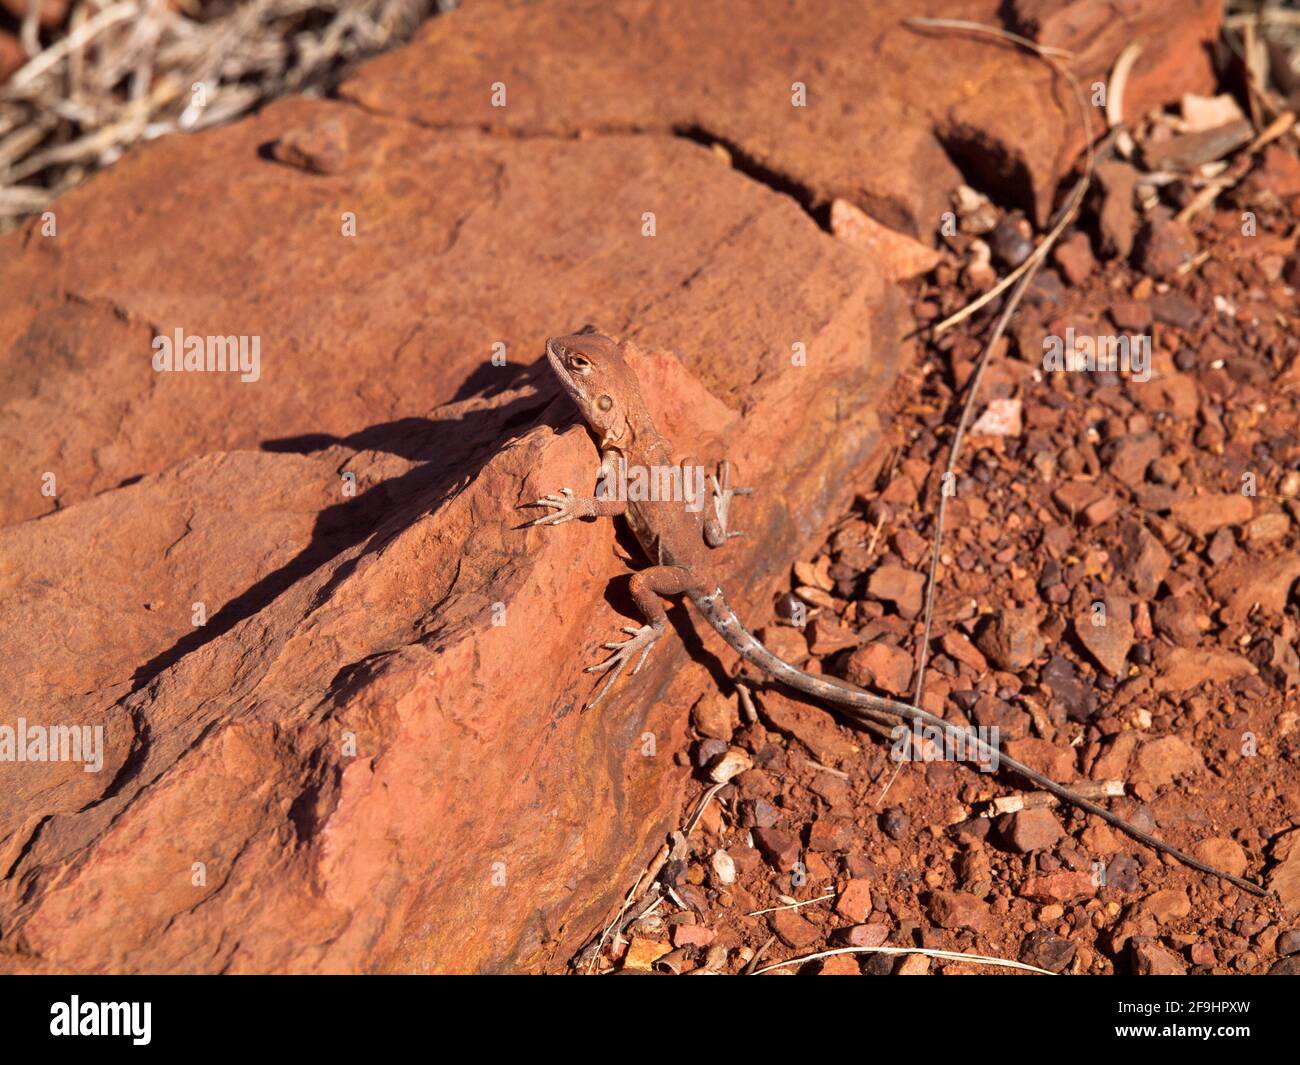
(592, 370)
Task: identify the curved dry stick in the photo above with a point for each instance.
(951, 955)
(1025, 274)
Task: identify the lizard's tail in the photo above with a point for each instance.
(863, 705)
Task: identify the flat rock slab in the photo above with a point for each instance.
(339, 689)
(894, 115)
(463, 242)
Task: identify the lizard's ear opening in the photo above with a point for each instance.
(588, 328)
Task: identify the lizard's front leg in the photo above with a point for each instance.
(567, 506)
(607, 503)
(716, 532)
(648, 586)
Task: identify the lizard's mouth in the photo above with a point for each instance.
(611, 437)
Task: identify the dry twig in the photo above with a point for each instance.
(949, 955)
(136, 69)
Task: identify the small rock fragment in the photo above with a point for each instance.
(1181, 668)
(1167, 905)
(1202, 515)
(1108, 643)
(840, 965)
(320, 148)
(1057, 887)
(1118, 219)
(643, 953)
(707, 750)
(882, 666)
(1150, 959)
(897, 254)
(793, 930)
(1160, 760)
(958, 647)
(1132, 316)
(913, 965)
(1222, 853)
(830, 834)
(1047, 951)
(1011, 241)
(779, 847)
(958, 909)
(1031, 830)
(902, 587)
(1000, 418)
(812, 727)
(867, 935)
(1079, 701)
(854, 902)
(828, 637)
(724, 867)
(1011, 640)
(1124, 873)
(731, 763)
(715, 716)
(895, 822)
(1074, 256)
(692, 935)
(1164, 246)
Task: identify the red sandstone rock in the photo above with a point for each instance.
(1201, 515)
(854, 901)
(1160, 760)
(892, 112)
(811, 725)
(52, 12)
(1183, 668)
(958, 909)
(12, 55)
(350, 763)
(900, 256)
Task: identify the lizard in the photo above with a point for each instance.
(593, 369)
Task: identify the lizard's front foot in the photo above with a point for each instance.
(565, 504)
(716, 532)
(640, 639)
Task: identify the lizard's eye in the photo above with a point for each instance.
(579, 363)
(604, 402)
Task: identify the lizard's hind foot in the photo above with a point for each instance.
(640, 640)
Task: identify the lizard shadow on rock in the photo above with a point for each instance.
(447, 453)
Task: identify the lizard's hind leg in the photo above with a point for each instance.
(648, 586)
(716, 532)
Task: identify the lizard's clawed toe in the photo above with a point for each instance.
(561, 502)
(640, 639)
